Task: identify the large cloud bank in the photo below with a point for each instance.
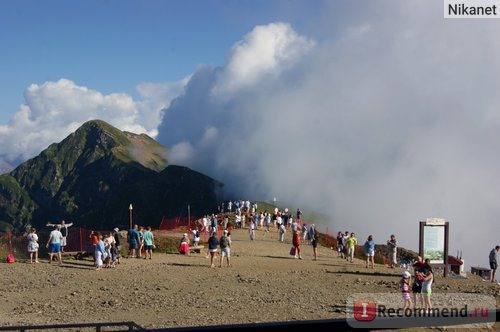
(379, 120)
(379, 128)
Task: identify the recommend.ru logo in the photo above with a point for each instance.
(388, 310)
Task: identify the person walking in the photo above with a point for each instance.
(281, 232)
(225, 248)
(33, 245)
(404, 285)
(251, 230)
(296, 243)
(494, 262)
(351, 243)
(213, 243)
(340, 245)
(54, 244)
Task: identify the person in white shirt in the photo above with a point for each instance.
(33, 245)
(63, 227)
(54, 244)
(251, 230)
(196, 237)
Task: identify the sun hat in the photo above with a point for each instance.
(116, 229)
(406, 274)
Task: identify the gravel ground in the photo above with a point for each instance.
(264, 284)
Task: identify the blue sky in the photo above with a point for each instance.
(378, 113)
(112, 46)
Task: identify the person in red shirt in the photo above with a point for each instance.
(94, 240)
(296, 243)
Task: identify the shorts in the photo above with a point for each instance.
(370, 253)
(416, 288)
(133, 245)
(63, 241)
(213, 250)
(149, 247)
(55, 248)
(427, 292)
(225, 252)
(493, 265)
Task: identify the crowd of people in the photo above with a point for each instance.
(416, 290)
(104, 248)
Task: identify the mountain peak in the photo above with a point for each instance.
(101, 137)
(93, 175)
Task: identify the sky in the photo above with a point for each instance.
(379, 114)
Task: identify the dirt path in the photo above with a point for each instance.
(264, 284)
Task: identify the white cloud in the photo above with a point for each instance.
(53, 110)
(155, 97)
(181, 153)
(265, 51)
(385, 124)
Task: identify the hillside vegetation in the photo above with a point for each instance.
(94, 174)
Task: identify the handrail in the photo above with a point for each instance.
(131, 326)
(313, 325)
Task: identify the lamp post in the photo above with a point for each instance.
(130, 208)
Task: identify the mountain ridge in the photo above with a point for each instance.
(92, 176)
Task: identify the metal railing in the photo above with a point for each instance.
(128, 326)
(312, 325)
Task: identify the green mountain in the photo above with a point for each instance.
(92, 176)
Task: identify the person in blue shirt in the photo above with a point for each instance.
(133, 240)
(299, 215)
(213, 243)
(100, 253)
(148, 242)
(310, 232)
(370, 252)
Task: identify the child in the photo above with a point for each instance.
(404, 284)
(184, 245)
(282, 231)
(251, 230)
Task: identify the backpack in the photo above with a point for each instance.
(224, 242)
(10, 258)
